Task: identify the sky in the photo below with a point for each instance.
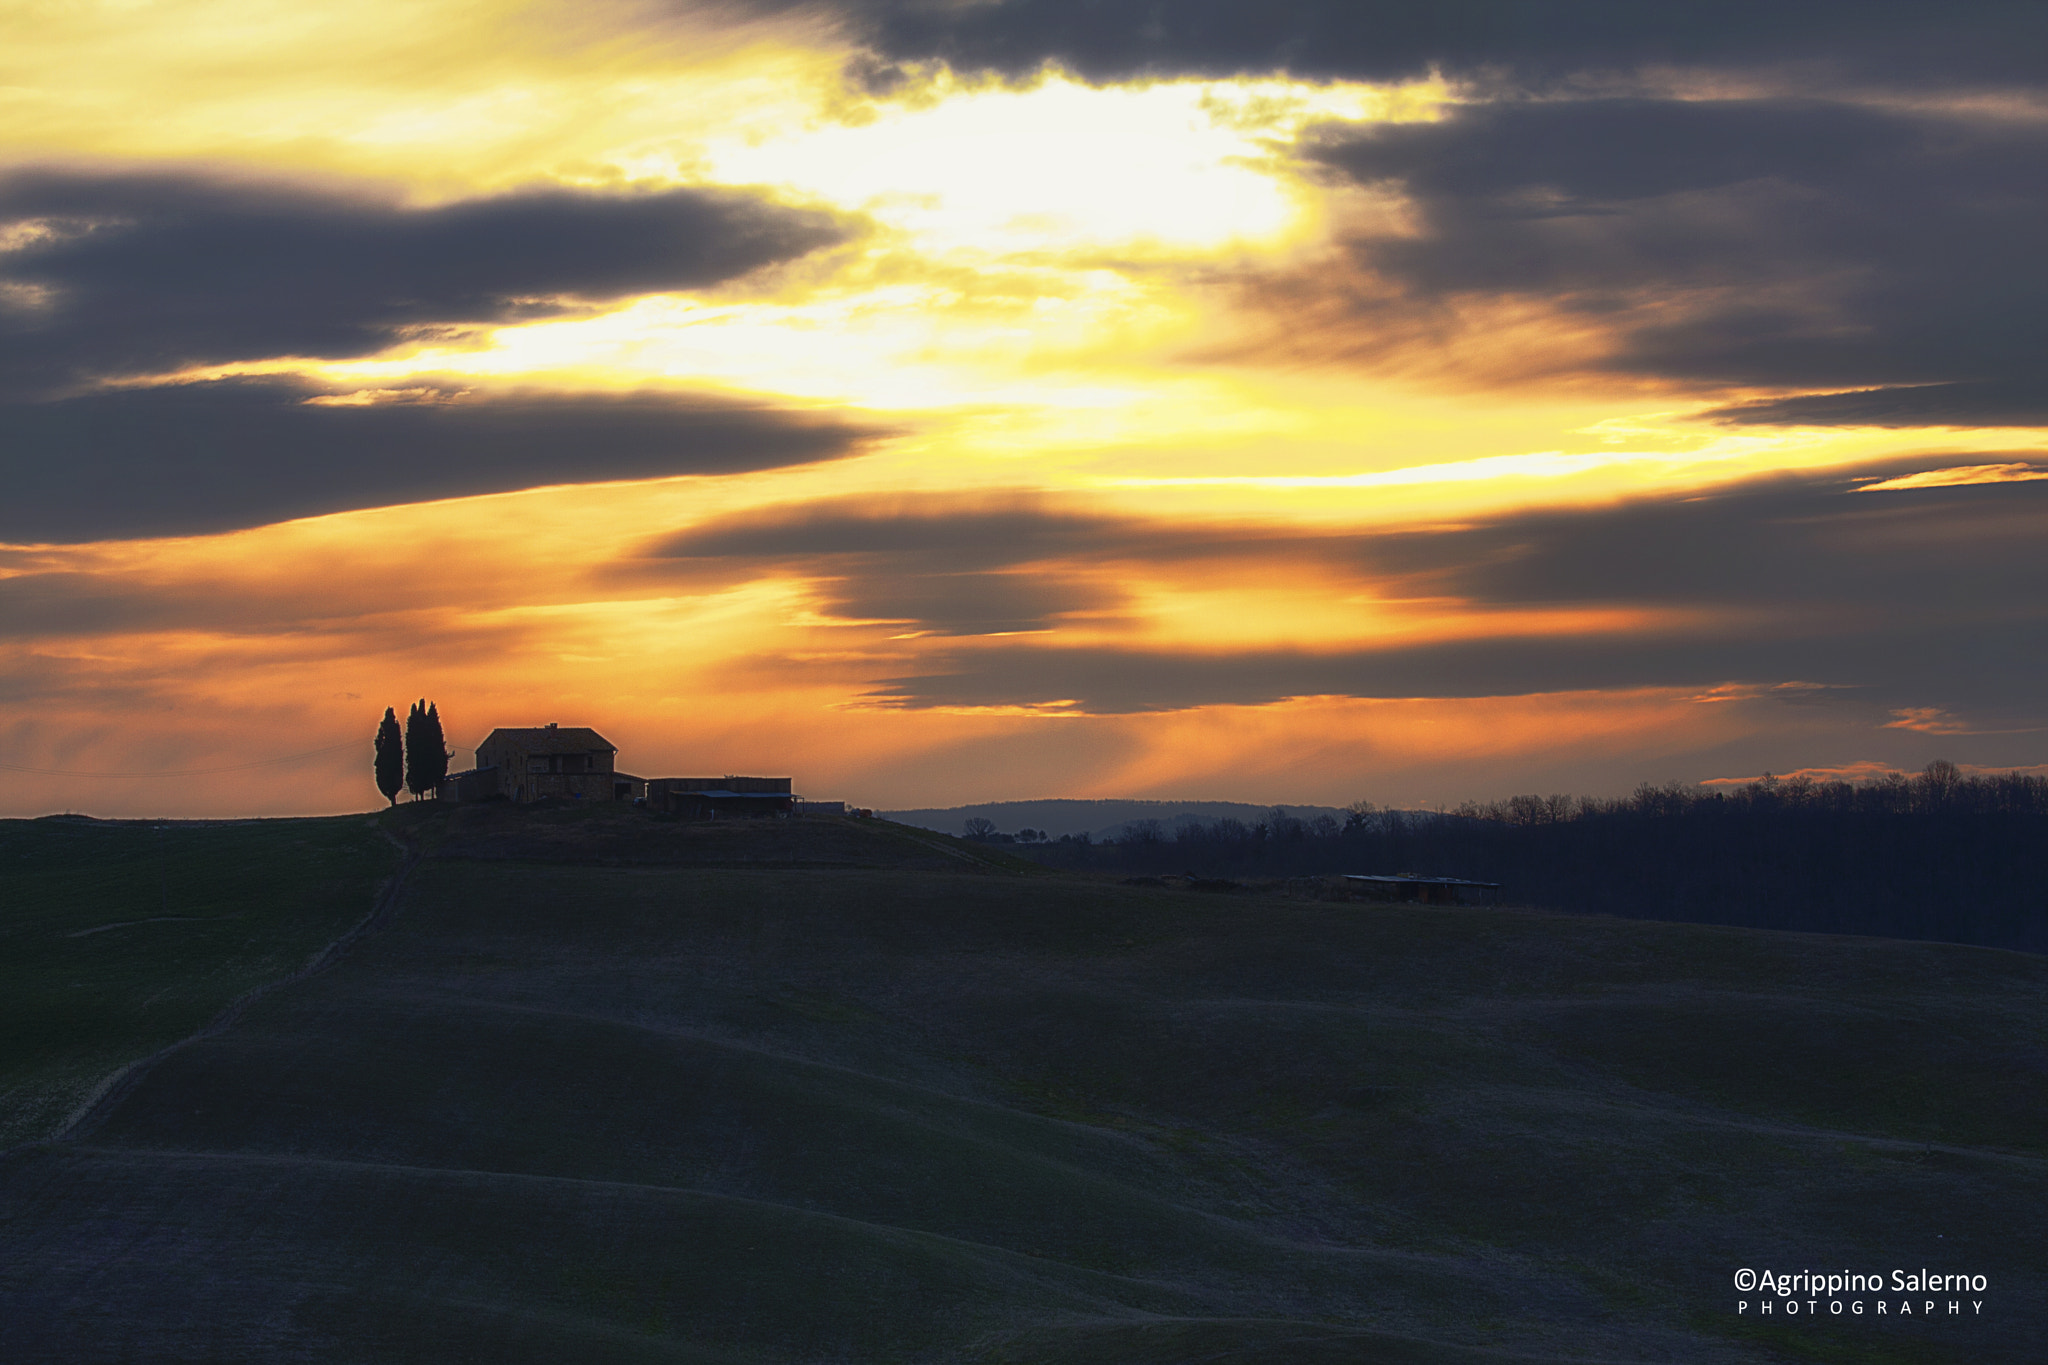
(944, 401)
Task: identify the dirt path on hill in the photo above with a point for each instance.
(105, 1097)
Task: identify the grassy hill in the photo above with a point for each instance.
(609, 1088)
(118, 938)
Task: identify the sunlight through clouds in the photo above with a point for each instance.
(1061, 168)
(1019, 242)
(1389, 408)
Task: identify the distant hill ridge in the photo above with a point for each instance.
(1100, 819)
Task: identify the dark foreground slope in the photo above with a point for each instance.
(702, 1113)
(120, 937)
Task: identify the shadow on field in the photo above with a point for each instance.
(612, 1091)
(613, 836)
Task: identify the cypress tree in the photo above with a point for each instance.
(437, 745)
(390, 757)
(418, 765)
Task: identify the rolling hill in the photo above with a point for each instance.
(598, 1087)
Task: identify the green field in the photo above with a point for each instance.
(117, 939)
(606, 1088)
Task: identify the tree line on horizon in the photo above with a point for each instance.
(415, 759)
(1939, 855)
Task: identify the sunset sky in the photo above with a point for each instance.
(965, 400)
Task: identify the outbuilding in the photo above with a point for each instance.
(1407, 886)
(720, 798)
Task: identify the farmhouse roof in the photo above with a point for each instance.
(551, 739)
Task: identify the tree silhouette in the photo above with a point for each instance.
(437, 745)
(426, 750)
(979, 827)
(1942, 855)
(415, 745)
(390, 757)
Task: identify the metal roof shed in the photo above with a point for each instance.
(1407, 886)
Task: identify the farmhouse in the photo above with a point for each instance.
(576, 763)
(720, 798)
(553, 760)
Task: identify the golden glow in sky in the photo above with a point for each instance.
(1186, 368)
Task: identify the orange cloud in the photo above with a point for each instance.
(1958, 477)
(1936, 720)
(911, 649)
(1868, 770)
(1237, 437)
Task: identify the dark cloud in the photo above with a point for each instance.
(1976, 41)
(1956, 667)
(1571, 158)
(960, 565)
(376, 610)
(938, 565)
(967, 603)
(954, 532)
(951, 532)
(195, 458)
(1775, 243)
(116, 275)
(1928, 597)
(1777, 541)
(297, 601)
(2008, 403)
(69, 603)
(1835, 241)
(1807, 548)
